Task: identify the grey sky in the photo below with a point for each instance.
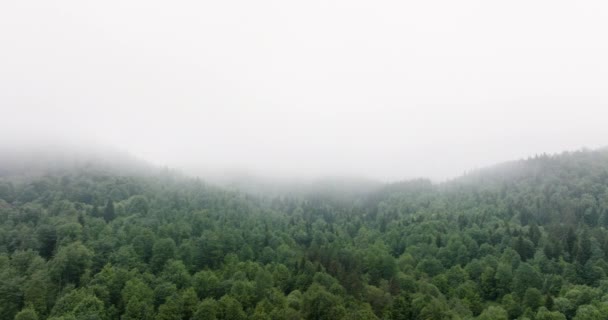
(381, 89)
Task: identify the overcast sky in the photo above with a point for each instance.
(380, 89)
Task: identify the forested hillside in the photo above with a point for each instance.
(521, 240)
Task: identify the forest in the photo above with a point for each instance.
(526, 239)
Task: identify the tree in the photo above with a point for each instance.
(164, 291)
(172, 309)
(230, 309)
(402, 308)
(208, 309)
(70, 262)
(571, 240)
(588, 312)
(583, 249)
(263, 284)
(81, 305)
(430, 266)
(526, 277)
(175, 272)
(95, 212)
(163, 251)
(27, 314)
(361, 312)
(138, 310)
(320, 304)
(494, 313)
(108, 212)
(378, 299)
(206, 284)
(47, 237)
(524, 247)
(138, 205)
(503, 279)
(488, 283)
(533, 298)
(138, 297)
(90, 307)
(534, 233)
(432, 309)
(544, 314)
(38, 291)
(512, 306)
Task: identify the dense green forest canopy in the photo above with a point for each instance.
(521, 240)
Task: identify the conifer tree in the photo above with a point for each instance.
(108, 212)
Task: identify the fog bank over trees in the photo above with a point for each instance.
(389, 91)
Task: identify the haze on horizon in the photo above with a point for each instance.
(384, 90)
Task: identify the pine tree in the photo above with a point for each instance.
(571, 240)
(95, 212)
(534, 233)
(583, 252)
(108, 212)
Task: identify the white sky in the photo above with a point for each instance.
(381, 89)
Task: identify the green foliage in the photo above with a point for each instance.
(525, 240)
(321, 304)
(230, 308)
(70, 263)
(589, 312)
(27, 314)
(533, 298)
(544, 314)
(494, 313)
(81, 305)
(526, 277)
(163, 251)
(109, 213)
(207, 309)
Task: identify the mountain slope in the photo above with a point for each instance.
(526, 240)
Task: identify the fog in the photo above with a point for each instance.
(384, 90)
